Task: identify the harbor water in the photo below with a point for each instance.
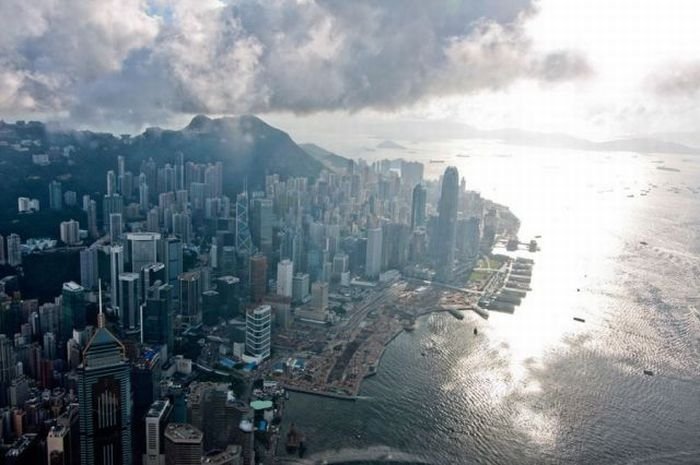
(620, 249)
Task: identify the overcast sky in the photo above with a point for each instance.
(592, 68)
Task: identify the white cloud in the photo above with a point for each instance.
(129, 61)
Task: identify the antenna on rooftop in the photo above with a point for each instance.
(100, 314)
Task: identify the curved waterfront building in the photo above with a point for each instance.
(447, 224)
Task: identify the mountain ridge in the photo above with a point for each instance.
(248, 147)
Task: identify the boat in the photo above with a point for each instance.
(533, 246)
(294, 440)
(512, 244)
(580, 320)
(437, 161)
(643, 243)
(409, 325)
(463, 155)
(648, 372)
(455, 313)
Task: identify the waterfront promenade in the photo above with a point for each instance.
(355, 351)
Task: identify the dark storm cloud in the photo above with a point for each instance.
(140, 63)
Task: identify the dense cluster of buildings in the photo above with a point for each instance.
(88, 382)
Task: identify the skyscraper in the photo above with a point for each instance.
(143, 248)
(373, 261)
(116, 227)
(70, 232)
(258, 277)
(183, 444)
(157, 315)
(7, 361)
(111, 182)
(244, 244)
(228, 289)
(129, 315)
(14, 251)
(104, 396)
(258, 332)
(300, 287)
(73, 309)
(156, 422)
(190, 292)
(150, 274)
(285, 275)
(261, 219)
(116, 267)
(91, 213)
(88, 268)
(58, 450)
(319, 296)
(171, 257)
(420, 195)
(447, 224)
(55, 195)
(111, 204)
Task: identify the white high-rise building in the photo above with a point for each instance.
(144, 249)
(258, 332)
(116, 227)
(23, 204)
(58, 450)
(319, 296)
(116, 267)
(373, 261)
(14, 251)
(70, 232)
(285, 275)
(156, 420)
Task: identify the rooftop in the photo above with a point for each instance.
(157, 408)
(183, 433)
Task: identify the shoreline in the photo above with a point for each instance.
(311, 392)
(355, 396)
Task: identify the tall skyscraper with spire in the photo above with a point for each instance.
(104, 388)
(447, 223)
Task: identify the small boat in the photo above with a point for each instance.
(437, 161)
(580, 320)
(643, 243)
(648, 372)
(423, 354)
(476, 331)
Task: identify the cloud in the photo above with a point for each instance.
(677, 81)
(48, 48)
(140, 63)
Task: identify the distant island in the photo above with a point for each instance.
(390, 144)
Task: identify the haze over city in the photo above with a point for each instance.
(238, 232)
